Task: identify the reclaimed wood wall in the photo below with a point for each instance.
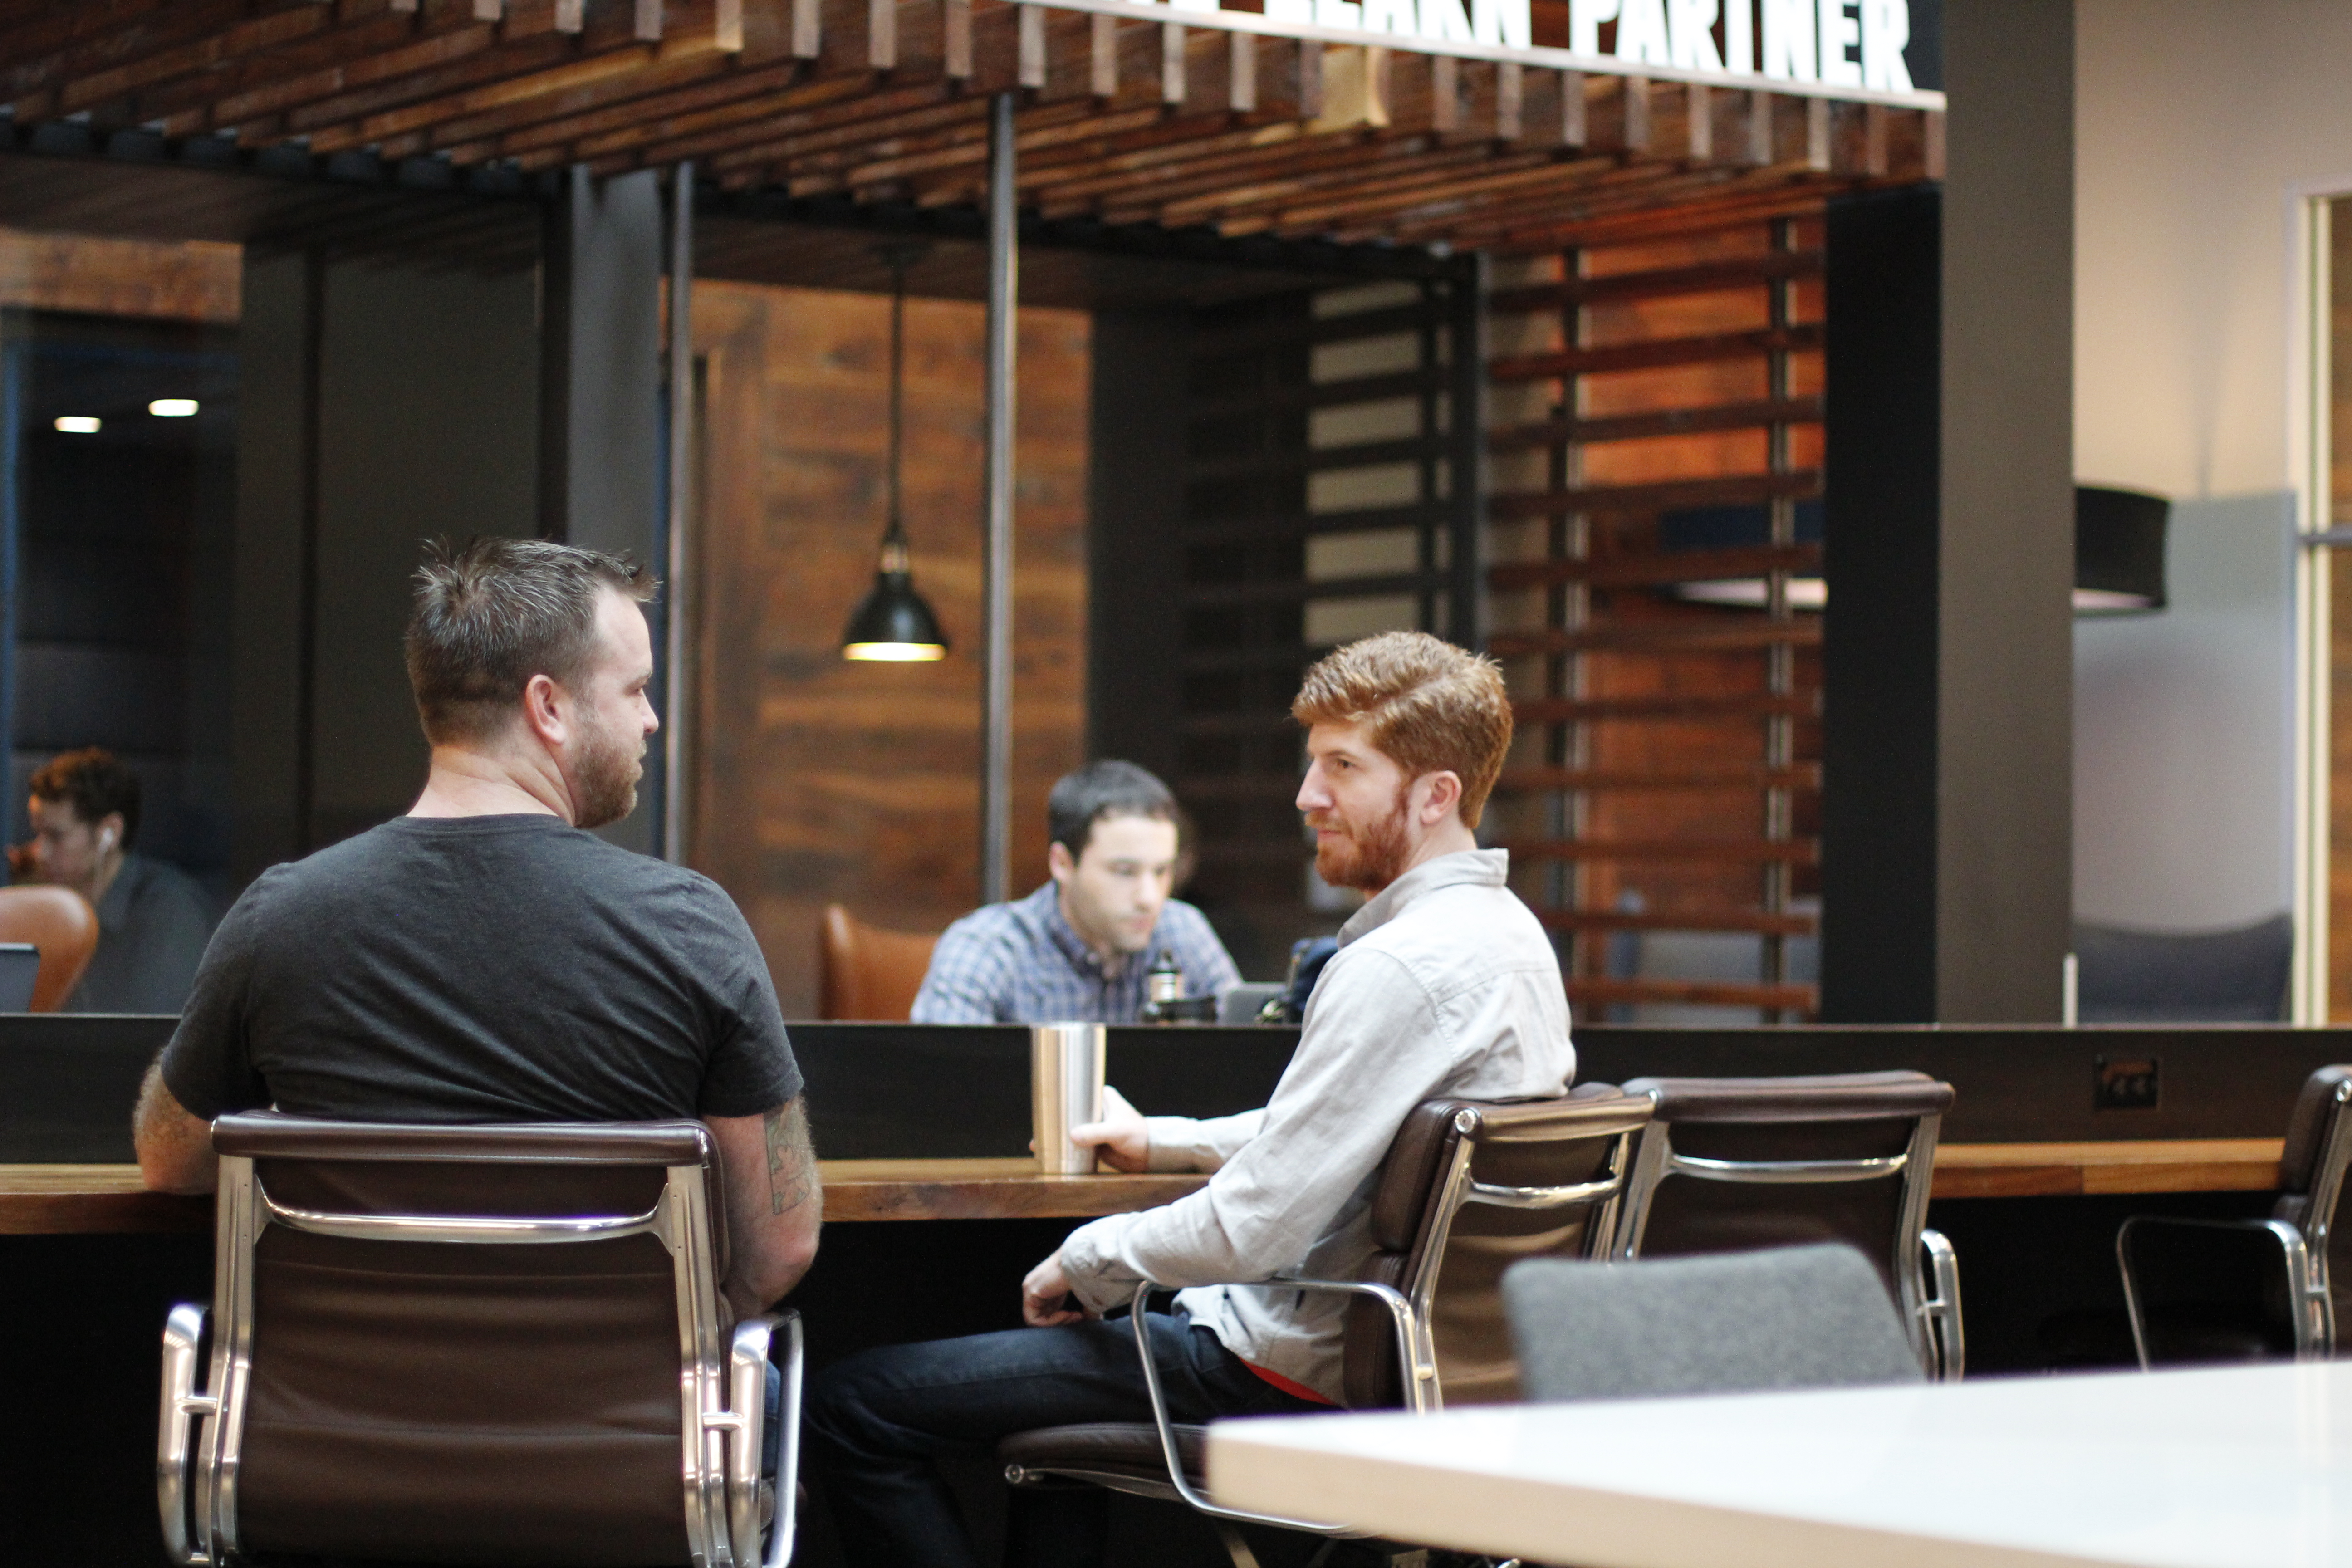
(820, 781)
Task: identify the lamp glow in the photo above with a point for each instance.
(894, 652)
(1754, 593)
(173, 407)
(79, 424)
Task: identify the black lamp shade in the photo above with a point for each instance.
(893, 624)
(2118, 550)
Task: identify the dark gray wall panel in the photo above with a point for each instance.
(265, 652)
(601, 458)
(426, 428)
(1879, 636)
(2005, 745)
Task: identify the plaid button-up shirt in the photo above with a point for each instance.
(1021, 963)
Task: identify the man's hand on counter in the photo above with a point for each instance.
(1122, 1140)
(1045, 1298)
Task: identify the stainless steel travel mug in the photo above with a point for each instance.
(1065, 1088)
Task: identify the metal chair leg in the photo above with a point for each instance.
(1235, 1547)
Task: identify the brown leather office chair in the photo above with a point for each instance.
(475, 1345)
(60, 922)
(2206, 1290)
(1469, 1187)
(867, 972)
(1732, 1164)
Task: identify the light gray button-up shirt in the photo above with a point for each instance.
(1443, 985)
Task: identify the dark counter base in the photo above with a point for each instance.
(80, 1318)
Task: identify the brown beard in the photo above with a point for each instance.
(1371, 856)
(605, 787)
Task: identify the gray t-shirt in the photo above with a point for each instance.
(152, 923)
(482, 969)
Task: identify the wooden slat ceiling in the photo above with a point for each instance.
(1122, 121)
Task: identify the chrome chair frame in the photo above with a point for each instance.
(2303, 1250)
(722, 1391)
(1930, 1307)
(1409, 1309)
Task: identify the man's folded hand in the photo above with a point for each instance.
(1046, 1300)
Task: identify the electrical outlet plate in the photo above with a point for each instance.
(2125, 1083)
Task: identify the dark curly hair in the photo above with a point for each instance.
(97, 785)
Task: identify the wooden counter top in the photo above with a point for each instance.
(48, 1200)
(60, 1200)
(2061, 1170)
(984, 1189)
(51, 1200)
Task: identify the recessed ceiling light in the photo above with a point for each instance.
(78, 424)
(173, 407)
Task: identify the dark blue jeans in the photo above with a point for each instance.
(876, 1422)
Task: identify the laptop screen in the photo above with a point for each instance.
(20, 964)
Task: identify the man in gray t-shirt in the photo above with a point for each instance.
(485, 959)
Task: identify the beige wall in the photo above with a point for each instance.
(2195, 118)
(2197, 123)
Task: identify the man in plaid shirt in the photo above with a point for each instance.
(1077, 950)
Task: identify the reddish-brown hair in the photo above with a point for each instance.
(1427, 705)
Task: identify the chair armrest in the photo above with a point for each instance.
(1421, 1370)
(2216, 1249)
(1941, 1309)
(1167, 1428)
(184, 1339)
(746, 1378)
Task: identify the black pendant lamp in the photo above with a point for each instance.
(2118, 550)
(893, 624)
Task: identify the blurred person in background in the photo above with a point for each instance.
(1080, 948)
(153, 919)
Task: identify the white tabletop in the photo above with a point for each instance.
(2238, 1468)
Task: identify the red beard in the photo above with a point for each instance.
(1370, 855)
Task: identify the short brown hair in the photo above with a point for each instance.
(497, 612)
(96, 785)
(1430, 706)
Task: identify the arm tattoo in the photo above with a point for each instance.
(790, 1161)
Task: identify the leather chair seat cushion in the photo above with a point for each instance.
(1106, 1447)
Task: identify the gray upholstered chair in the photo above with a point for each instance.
(2209, 1290)
(472, 1344)
(1737, 1323)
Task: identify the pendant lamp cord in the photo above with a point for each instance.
(895, 535)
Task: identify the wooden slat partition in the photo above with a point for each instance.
(1660, 797)
(1122, 117)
